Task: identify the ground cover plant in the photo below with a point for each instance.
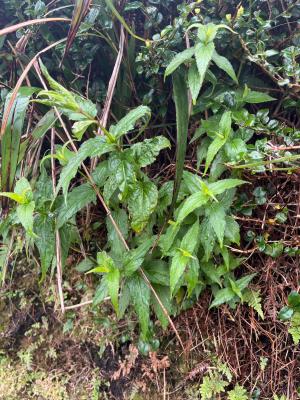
(150, 199)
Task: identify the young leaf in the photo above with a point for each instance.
(145, 153)
(79, 128)
(140, 296)
(203, 55)
(141, 203)
(179, 59)
(180, 96)
(224, 64)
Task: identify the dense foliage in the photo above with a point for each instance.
(130, 145)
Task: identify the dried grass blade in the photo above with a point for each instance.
(24, 24)
(79, 13)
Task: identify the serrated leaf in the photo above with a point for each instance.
(193, 202)
(127, 123)
(142, 202)
(254, 97)
(94, 147)
(145, 153)
(181, 257)
(224, 64)
(113, 239)
(101, 292)
(203, 55)
(79, 128)
(179, 59)
(222, 296)
(207, 238)
(44, 124)
(253, 299)
(140, 296)
(217, 219)
(163, 293)
(244, 282)
(25, 215)
(77, 199)
(225, 184)
(133, 259)
(157, 272)
(238, 393)
(232, 231)
(194, 82)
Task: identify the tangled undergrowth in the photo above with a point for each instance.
(150, 200)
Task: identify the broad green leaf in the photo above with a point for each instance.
(163, 293)
(113, 239)
(222, 296)
(44, 124)
(77, 199)
(158, 272)
(286, 313)
(193, 202)
(235, 149)
(212, 150)
(166, 240)
(207, 238)
(217, 219)
(294, 299)
(179, 59)
(25, 215)
(101, 173)
(254, 97)
(127, 123)
(140, 296)
(224, 64)
(45, 241)
(94, 147)
(141, 204)
(181, 257)
(194, 82)
(225, 124)
(14, 196)
(113, 285)
(178, 265)
(191, 238)
(225, 184)
(79, 128)
(133, 259)
(145, 153)
(203, 55)
(180, 97)
(101, 291)
(85, 265)
(232, 231)
(191, 275)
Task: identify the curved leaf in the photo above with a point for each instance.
(179, 59)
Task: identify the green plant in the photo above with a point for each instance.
(291, 313)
